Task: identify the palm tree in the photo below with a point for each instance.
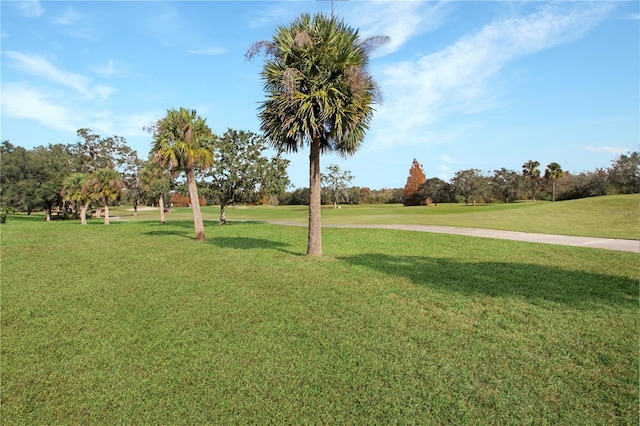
(74, 191)
(531, 171)
(104, 185)
(319, 93)
(553, 172)
(181, 142)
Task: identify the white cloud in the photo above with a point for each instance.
(70, 16)
(400, 21)
(609, 149)
(55, 110)
(30, 8)
(463, 78)
(38, 66)
(274, 14)
(20, 101)
(208, 50)
(74, 24)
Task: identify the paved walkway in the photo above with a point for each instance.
(567, 240)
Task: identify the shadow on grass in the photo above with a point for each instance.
(245, 243)
(180, 228)
(185, 229)
(535, 283)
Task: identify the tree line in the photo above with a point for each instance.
(474, 186)
(503, 185)
(97, 172)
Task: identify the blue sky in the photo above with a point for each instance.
(465, 84)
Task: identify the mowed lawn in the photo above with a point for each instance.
(612, 216)
(137, 323)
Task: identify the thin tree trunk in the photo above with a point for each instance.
(161, 206)
(106, 213)
(533, 191)
(195, 205)
(48, 214)
(553, 185)
(314, 246)
(83, 214)
(223, 214)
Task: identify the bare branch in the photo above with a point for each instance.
(257, 47)
(150, 128)
(373, 42)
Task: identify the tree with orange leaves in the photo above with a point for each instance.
(414, 190)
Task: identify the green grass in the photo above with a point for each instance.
(607, 217)
(137, 323)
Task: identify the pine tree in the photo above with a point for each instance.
(414, 190)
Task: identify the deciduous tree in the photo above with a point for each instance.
(468, 184)
(439, 191)
(155, 182)
(624, 174)
(505, 185)
(414, 191)
(15, 166)
(336, 182)
(93, 152)
(48, 169)
(241, 170)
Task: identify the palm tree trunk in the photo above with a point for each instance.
(161, 206)
(223, 213)
(533, 191)
(553, 191)
(83, 214)
(106, 213)
(195, 204)
(314, 245)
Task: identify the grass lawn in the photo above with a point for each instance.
(615, 216)
(138, 323)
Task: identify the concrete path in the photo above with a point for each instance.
(567, 240)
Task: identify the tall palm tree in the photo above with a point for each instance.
(553, 172)
(74, 191)
(181, 142)
(104, 185)
(531, 171)
(319, 93)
